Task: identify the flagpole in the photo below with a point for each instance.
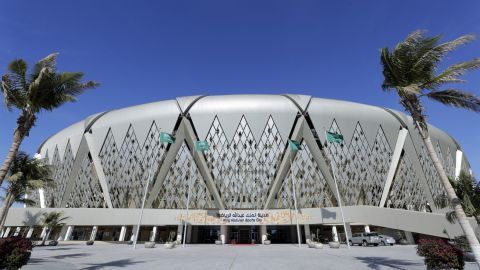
(295, 202)
(188, 195)
(339, 200)
(143, 205)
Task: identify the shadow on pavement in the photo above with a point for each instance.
(33, 261)
(120, 263)
(75, 255)
(376, 262)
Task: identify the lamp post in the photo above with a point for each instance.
(164, 138)
(295, 146)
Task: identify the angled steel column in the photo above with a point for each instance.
(98, 168)
(202, 165)
(402, 135)
(166, 165)
(458, 163)
(321, 160)
(77, 163)
(285, 163)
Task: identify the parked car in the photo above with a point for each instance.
(387, 240)
(365, 239)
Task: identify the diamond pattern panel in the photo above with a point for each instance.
(127, 168)
(450, 164)
(61, 172)
(361, 169)
(406, 191)
(86, 192)
(310, 185)
(431, 175)
(243, 168)
(174, 191)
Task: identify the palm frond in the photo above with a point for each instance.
(49, 62)
(451, 217)
(452, 74)
(456, 98)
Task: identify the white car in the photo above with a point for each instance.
(365, 239)
(386, 240)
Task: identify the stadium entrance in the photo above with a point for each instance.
(244, 235)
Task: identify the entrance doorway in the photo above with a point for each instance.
(244, 235)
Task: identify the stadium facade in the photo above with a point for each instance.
(241, 187)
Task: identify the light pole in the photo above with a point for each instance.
(295, 146)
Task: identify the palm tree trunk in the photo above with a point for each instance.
(6, 206)
(455, 201)
(17, 140)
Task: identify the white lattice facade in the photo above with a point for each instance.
(106, 160)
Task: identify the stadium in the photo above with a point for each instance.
(245, 185)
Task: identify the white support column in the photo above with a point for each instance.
(263, 232)
(307, 231)
(41, 194)
(123, 231)
(29, 233)
(179, 232)
(7, 231)
(223, 233)
(189, 234)
(132, 236)
(94, 233)
(349, 230)
(409, 237)
(458, 163)
(367, 228)
(68, 234)
(402, 135)
(63, 232)
(44, 231)
(17, 231)
(154, 234)
(334, 233)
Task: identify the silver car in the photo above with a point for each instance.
(387, 240)
(365, 239)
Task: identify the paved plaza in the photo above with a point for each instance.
(115, 256)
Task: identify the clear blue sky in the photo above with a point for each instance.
(143, 51)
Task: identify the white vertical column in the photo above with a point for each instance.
(349, 230)
(179, 232)
(44, 231)
(458, 163)
(41, 194)
(123, 231)
(68, 234)
(189, 234)
(154, 234)
(132, 236)
(367, 228)
(409, 237)
(94, 233)
(402, 135)
(17, 231)
(263, 232)
(307, 231)
(334, 233)
(7, 231)
(29, 233)
(223, 233)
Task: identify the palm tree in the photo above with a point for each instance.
(411, 71)
(43, 89)
(51, 221)
(468, 190)
(25, 176)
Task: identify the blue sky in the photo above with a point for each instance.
(143, 51)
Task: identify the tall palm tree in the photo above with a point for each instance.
(51, 221)
(411, 71)
(25, 176)
(42, 89)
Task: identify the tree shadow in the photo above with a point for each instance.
(119, 263)
(31, 220)
(376, 262)
(36, 261)
(75, 255)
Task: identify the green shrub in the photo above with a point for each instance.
(439, 254)
(14, 252)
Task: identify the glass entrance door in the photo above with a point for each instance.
(244, 235)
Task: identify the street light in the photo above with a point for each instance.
(295, 146)
(164, 138)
